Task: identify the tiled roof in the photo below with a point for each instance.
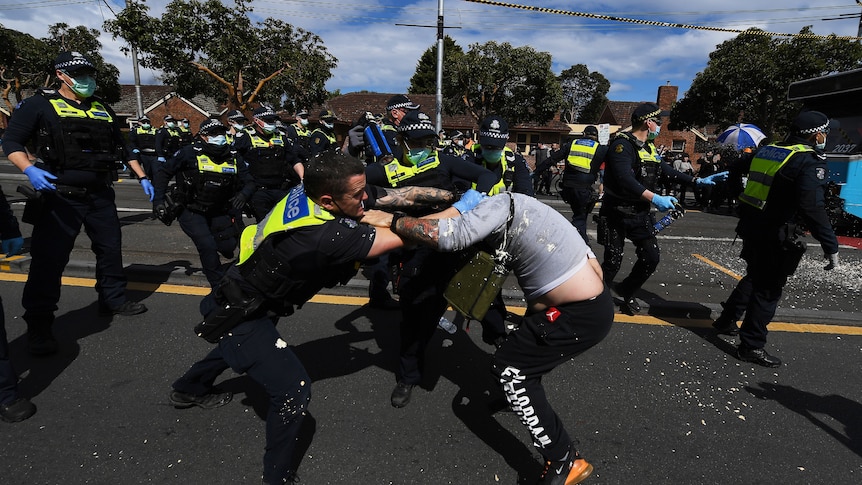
(153, 94)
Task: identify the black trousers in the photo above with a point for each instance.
(256, 349)
(581, 200)
(757, 294)
(150, 163)
(639, 229)
(212, 234)
(8, 377)
(55, 229)
(264, 200)
(543, 341)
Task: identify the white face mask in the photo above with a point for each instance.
(303, 122)
(328, 125)
(217, 140)
(821, 146)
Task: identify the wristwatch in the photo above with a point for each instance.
(395, 216)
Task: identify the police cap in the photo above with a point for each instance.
(647, 111)
(71, 61)
(810, 122)
(494, 131)
(400, 101)
(455, 135)
(303, 113)
(327, 115)
(265, 113)
(169, 118)
(212, 126)
(236, 115)
(416, 124)
(591, 131)
(143, 119)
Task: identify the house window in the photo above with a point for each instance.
(526, 141)
(678, 146)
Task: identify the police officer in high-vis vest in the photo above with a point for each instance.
(142, 141)
(186, 135)
(213, 185)
(583, 159)
(786, 185)
(78, 148)
(299, 133)
(632, 168)
(422, 272)
(271, 159)
(309, 241)
(168, 139)
(323, 137)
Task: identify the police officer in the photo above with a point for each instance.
(13, 407)
(323, 137)
(456, 146)
(632, 168)
(423, 273)
(300, 135)
(512, 175)
(271, 160)
(142, 141)
(186, 136)
(213, 184)
(238, 126)
(786, 182)
(78, 145)
(311, 241)
(583, 161)
(168, 139)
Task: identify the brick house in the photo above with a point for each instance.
(159, 101)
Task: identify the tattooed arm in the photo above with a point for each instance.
(412, 198)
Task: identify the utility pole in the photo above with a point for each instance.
(138, 97)
(439, 124)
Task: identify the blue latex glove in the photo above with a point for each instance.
(148, 189)
(712, 179)
(162, 159)
(136, 151)
(664, 203)
(12, 246)
(40, 179)
(469, 200)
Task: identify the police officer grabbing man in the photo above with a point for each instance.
(78, 148)
(213, 185)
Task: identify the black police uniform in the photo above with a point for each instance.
(270, 159)
(85, 167)
(625, 215)
(307, 259)
(205, 190)
(578, 189)
(168, 142)
(321, 139)
(769, 241)
(422, 272)
(186, 135)
(301, 138)
(8, 377)
(142, 143)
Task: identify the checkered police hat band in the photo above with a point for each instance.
(268, 113)
(416, 126)
(647, 116)
(74, 64)
(494, 134)
(816, 129)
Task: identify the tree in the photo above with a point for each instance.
(746, 79)
(26, 63)
(584, 94)
(424, 80)
(513, 82)
(205, 47)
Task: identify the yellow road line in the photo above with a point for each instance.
(717, 266)
(359, 301)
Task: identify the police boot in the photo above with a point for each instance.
(40, 339)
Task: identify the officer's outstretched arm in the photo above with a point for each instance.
(384, 241)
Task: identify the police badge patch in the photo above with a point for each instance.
(820, 173)
(619, 148)
(346, 221)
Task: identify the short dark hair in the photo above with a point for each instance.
(327, 173)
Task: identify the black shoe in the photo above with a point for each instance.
(630, 306)
(758, 356)
(725, 328)
(17, 410)
(401, 395)
(41, 344)
(384, 304)
(127, 309)
(565, 472)
(207, 401)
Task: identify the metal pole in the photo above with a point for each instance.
(439, 65)
(138, 97)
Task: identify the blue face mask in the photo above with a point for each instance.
(651, 135)
(217, 140)
(416, 155)
(84, 85)
(821, 146)
(146, 126)
(269, 128)
(238, 127)
(492, 156)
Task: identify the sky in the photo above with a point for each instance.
(377, 54)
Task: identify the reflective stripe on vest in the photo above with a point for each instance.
(766, 163)
(294, 211)
(581, 154)
(258, 142)
(97, 110)
(396, 173)
(329, 137)
(206, 164)
(500, 186)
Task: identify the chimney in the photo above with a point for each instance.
(667, 96)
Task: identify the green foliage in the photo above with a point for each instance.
(240, 54)
(747, 77)
(424, 80)
(584, 94)
(495, 78)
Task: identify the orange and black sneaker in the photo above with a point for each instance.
(568, 471)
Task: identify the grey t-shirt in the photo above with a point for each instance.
(546, 248)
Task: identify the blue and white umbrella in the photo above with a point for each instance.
(743, 135)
